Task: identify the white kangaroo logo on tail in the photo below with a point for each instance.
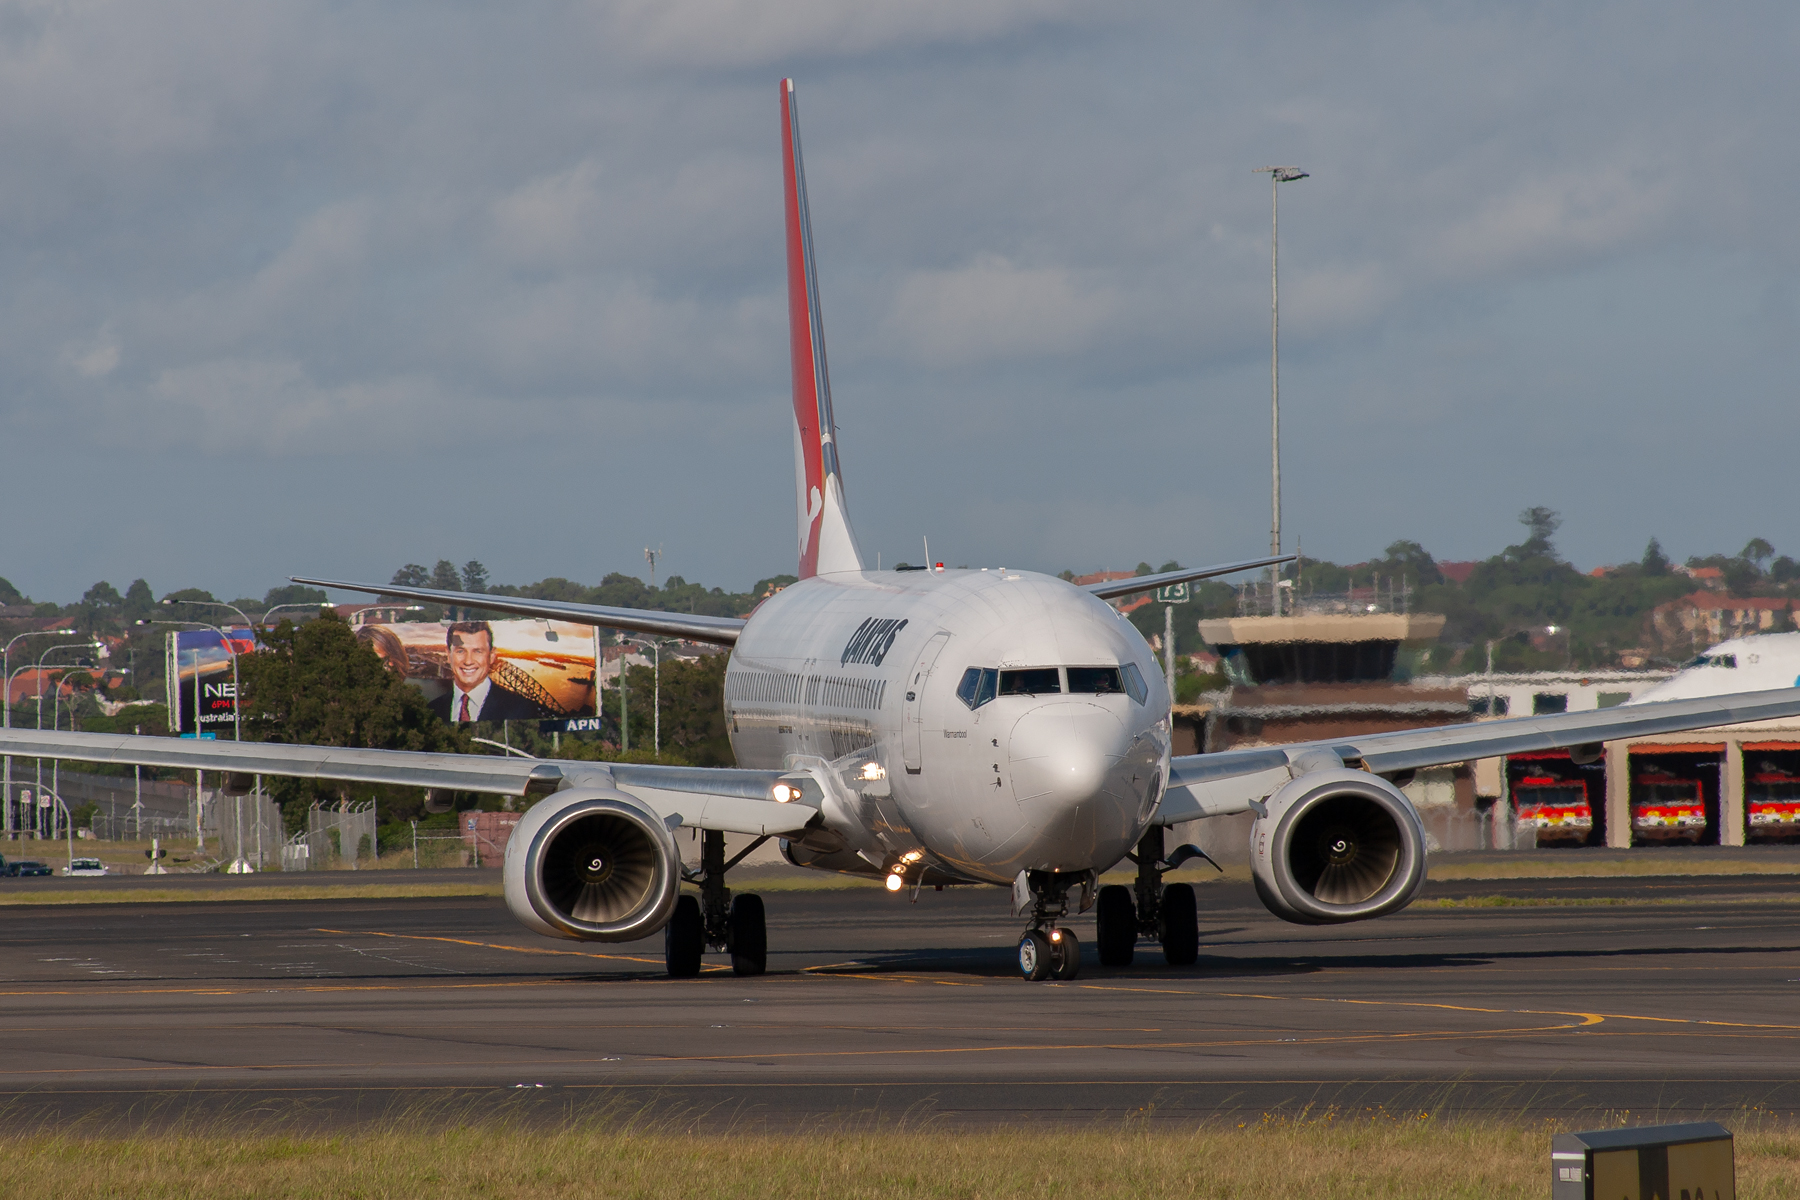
(814, 506)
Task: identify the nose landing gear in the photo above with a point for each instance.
(1049, 951)
(1052, 955)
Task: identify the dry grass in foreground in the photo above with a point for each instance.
(1316, 1159)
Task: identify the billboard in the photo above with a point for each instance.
(202, 697)
(493, 670)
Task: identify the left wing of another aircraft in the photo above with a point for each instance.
(692, 626)
(1207, 785)
(1114, 588)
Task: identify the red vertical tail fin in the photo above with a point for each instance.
(827, 543)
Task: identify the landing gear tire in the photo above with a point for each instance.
(1035, 958)
(1115, 925)
(1180, 925)
(747, 936)
(684, 939)
(1068, 954)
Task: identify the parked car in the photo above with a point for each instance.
(85, 866)
(27, 867)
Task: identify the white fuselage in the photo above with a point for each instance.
(863, 670)
(1760, 662)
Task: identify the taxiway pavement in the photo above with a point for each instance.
(876, 1008)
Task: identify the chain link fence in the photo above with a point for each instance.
(335, 837)
(249, 829)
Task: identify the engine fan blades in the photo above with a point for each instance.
(600, 869)
(1346, 852)
(1361, 875)
(615, 896)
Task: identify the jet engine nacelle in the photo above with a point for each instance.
(592, 864)
(1337, 845)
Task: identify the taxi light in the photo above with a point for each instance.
(895, 883)
(913, 856)
(1056, 935)
(873, 770)
(785, 792)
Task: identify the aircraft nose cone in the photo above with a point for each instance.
(1073, 773)
(1063, 753)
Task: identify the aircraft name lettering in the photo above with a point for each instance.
(871, 641)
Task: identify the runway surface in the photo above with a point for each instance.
(875, 1008)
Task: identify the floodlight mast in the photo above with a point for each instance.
(6, 791)
(1277, 177)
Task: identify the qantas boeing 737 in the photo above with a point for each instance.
(931, 726)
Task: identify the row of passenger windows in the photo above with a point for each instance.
(981, 684)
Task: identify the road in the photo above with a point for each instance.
(333, 1011)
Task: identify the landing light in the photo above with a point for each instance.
(873, 770)
(895, 883)
(784, 792)
(912, 856)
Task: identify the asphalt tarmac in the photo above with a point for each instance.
(877, 1009)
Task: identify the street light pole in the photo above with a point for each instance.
(36, 820)
(315, 608)
(1277, 177)
(624, 699)
(6, 792)
(656, 698)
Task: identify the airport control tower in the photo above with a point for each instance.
(1323, 666)
(1317, 667)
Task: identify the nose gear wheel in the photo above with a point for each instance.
(1035, 959)
(1047, 950)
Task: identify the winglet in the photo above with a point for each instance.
(827, 543)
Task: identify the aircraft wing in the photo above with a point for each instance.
(1115, 588)
(692, 626)
(733, 800)
(1207, 785)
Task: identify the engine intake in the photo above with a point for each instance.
(595, 865)
(1337, 845)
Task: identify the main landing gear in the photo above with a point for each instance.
(1168, 914)
(715, 919)
(1048, 951)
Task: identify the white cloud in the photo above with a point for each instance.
(273, 407)
(744, 32)
(1575, 212)
(992, 309)
(95, 358)
(547, 220)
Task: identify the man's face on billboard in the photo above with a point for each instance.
(471, 658)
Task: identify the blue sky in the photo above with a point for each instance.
(316, 288)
